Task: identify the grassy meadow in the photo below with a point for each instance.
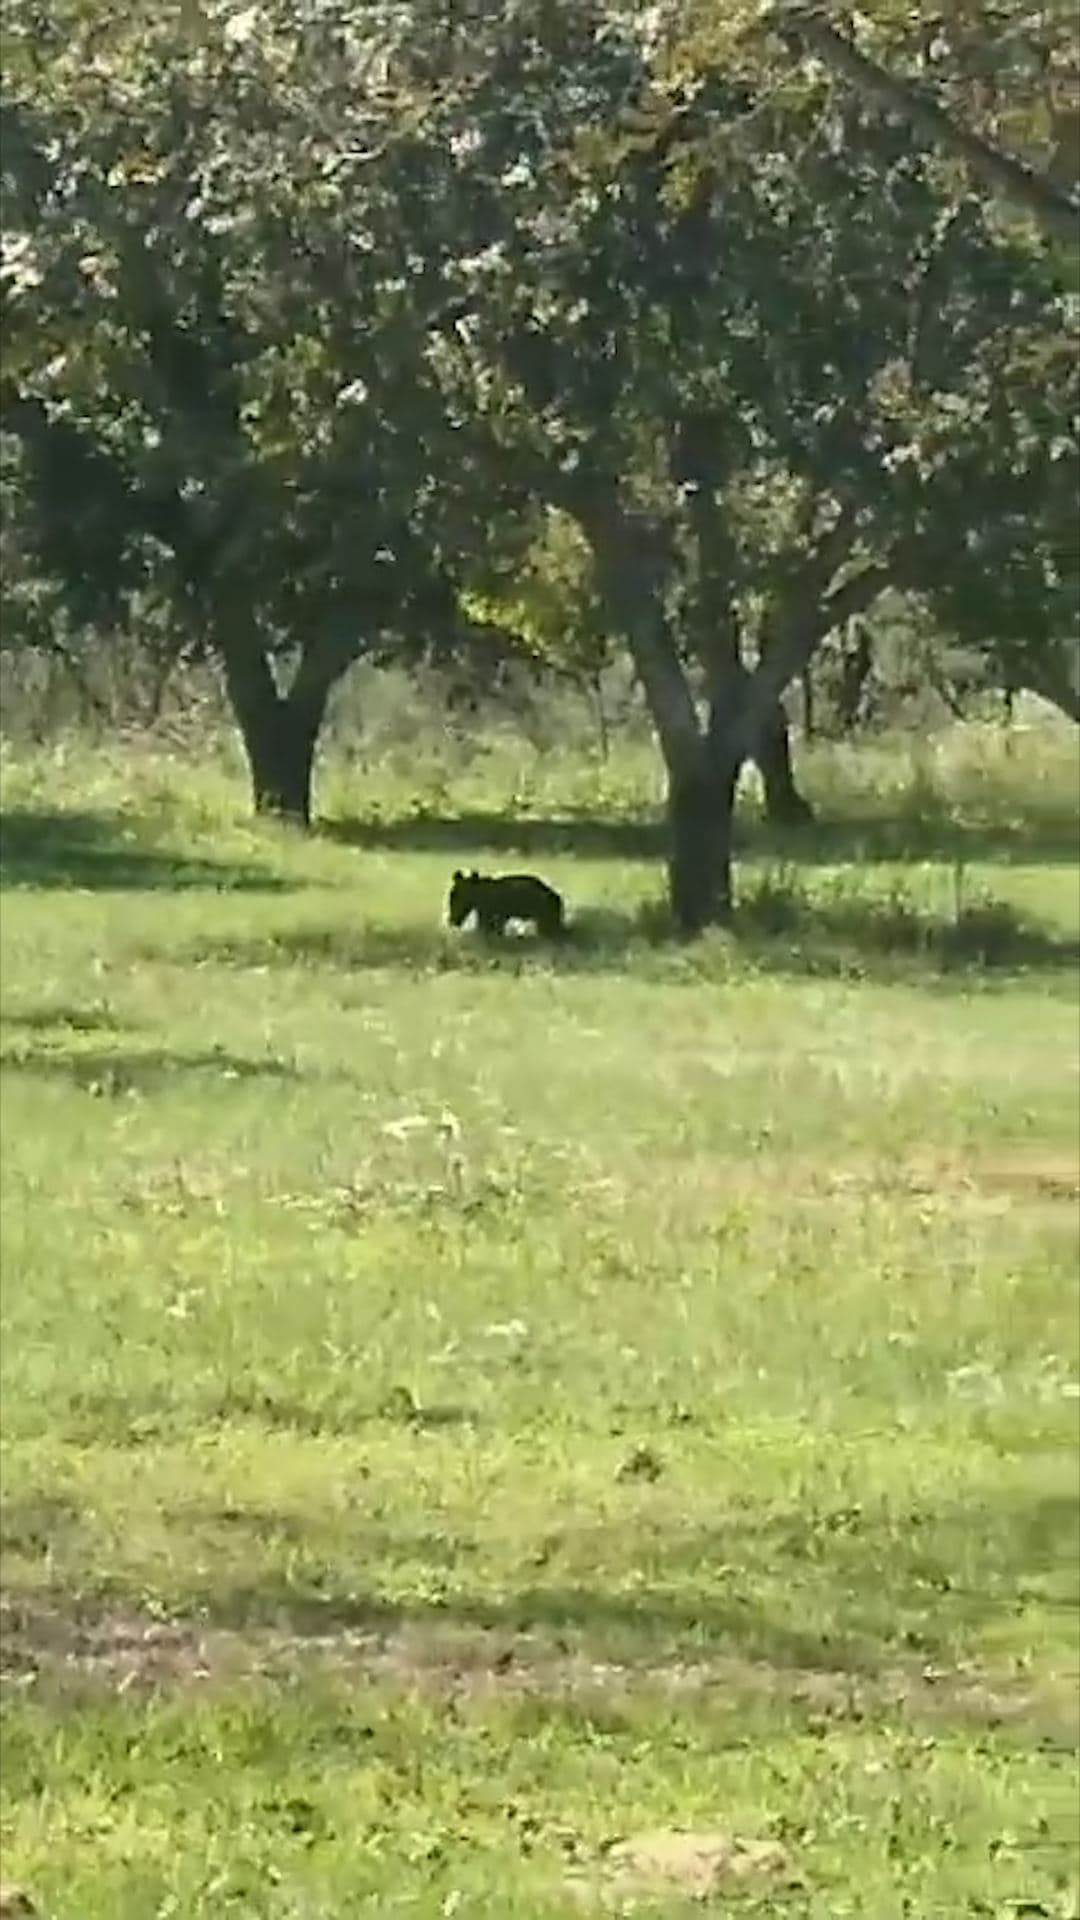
(464, 1410)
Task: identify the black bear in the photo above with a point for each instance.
(497, 898)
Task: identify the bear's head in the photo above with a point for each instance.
(463, 892)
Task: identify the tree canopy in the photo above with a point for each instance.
(328, 334)
(996, 87)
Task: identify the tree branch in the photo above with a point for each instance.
(928, 298)
(325, 656)
(76, 472)
(631, 557)
(853, 596)
(1057, 212)
(824, 560)
(791, 642)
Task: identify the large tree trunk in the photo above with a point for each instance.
(632, 558)
(281, 756)
(280, 731)
(784, 804)
(701, 820)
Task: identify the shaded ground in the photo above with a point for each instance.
(61, 1017)
(1049, 838)
(145, 1070)
(777, 931)
(904, 1591)
(120, 1649)
(99, 851)
(850, 930)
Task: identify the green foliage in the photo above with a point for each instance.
(217, 364)
(349, 338)
(993, 88)
(555, 617)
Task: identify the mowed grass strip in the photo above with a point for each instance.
(462, 1409)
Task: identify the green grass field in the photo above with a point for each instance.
(462, 1410)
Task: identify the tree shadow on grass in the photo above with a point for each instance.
(781, 931)
(63, 1018)
(861, 1609)
(114, 1074)
(581, 837)
(98, 852)
(902, 837)
(886, 1584)
(776, 930)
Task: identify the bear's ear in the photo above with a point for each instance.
(474, 874)
(458, 875)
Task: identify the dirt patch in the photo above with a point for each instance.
(692, 1866)
(941, 1180)
(46, 1646)
(39, 1641)
(1034, 1177)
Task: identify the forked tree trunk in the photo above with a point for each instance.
(280, 732)
(633, 556)
(701, 817)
